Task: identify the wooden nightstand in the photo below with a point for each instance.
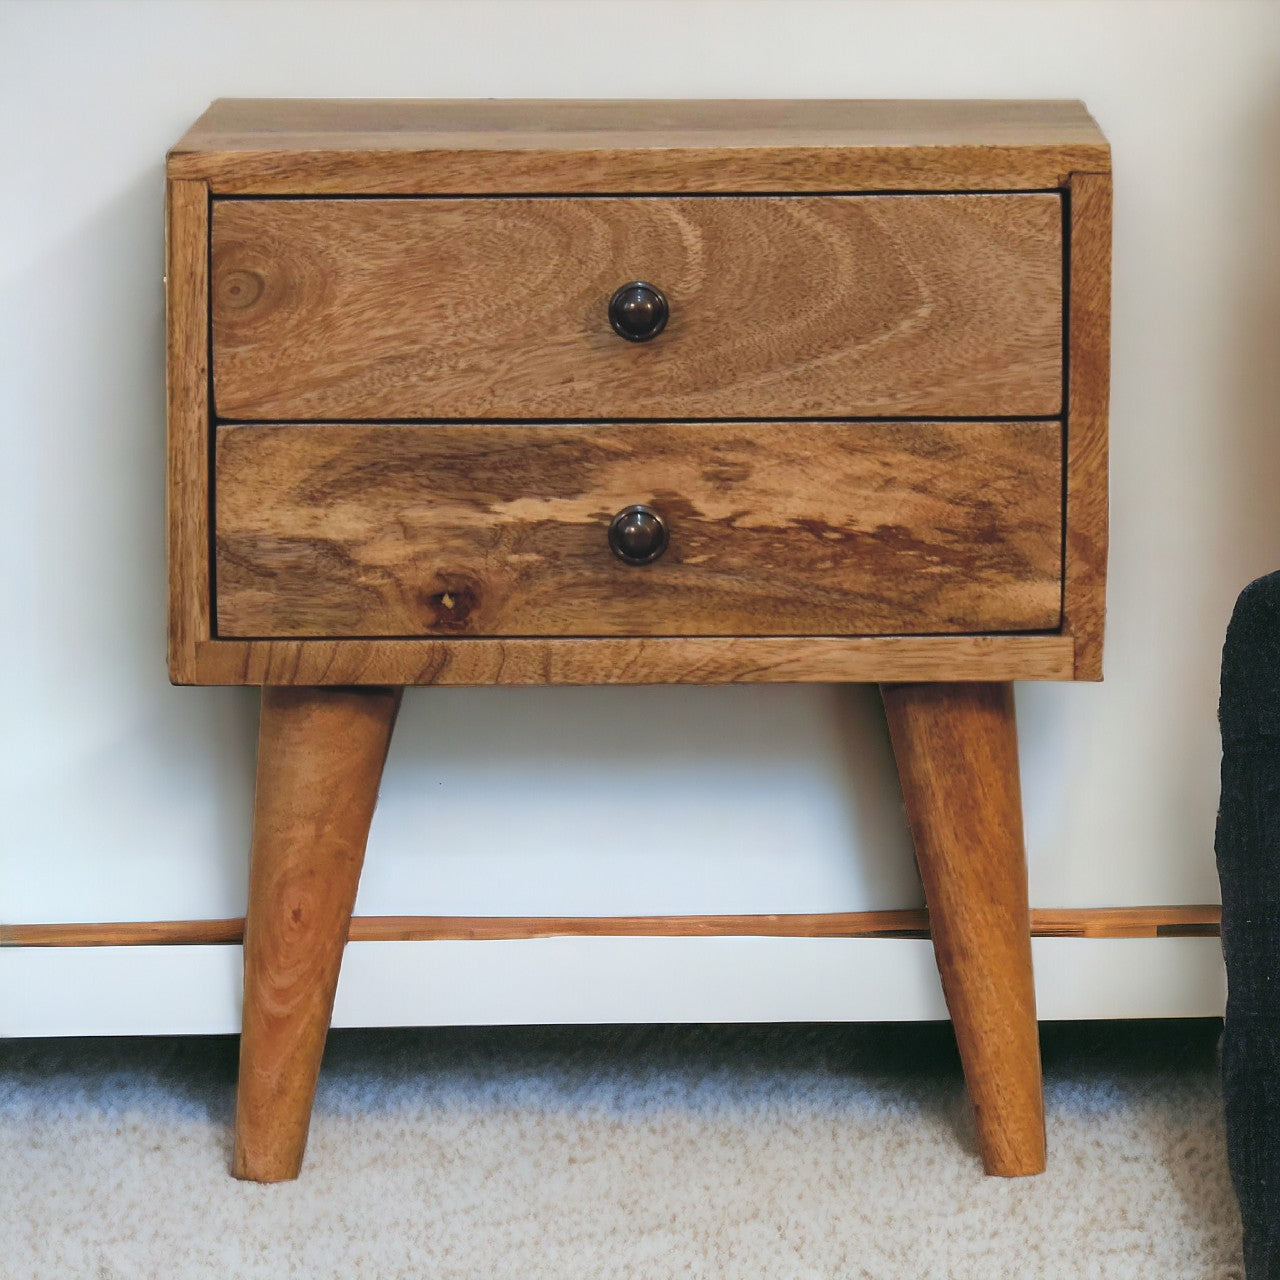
(636, 392)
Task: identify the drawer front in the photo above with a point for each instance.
(815, 306)
(779, 528)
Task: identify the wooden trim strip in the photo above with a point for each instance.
(632, 660)
(636, 171)
(1088, 922)
(187, 299)
(1088, 396)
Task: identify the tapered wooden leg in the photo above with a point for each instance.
(320, 757)
(957, 752)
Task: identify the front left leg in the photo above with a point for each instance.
(320, 758)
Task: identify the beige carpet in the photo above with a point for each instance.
(723, 1152)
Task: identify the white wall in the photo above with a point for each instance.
(126, 799)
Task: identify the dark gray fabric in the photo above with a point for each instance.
(1248, 849)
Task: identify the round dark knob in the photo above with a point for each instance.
(638, 535)
(638, 311)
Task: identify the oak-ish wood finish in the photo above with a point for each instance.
(824, 306)
(468, 147)
(320, 757)
(1085, 593)
(187, 306)
(261, 148)
(775, 529)
(876, 424)
(957, 752)
(636, 660)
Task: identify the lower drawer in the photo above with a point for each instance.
(779, 528)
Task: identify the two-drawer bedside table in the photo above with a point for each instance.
(636, 392)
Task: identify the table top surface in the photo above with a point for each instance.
(304, 124)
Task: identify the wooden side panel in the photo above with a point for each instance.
(1089, 366)
(830, 306)
(787, 528)
(187, 294)
(682, 660)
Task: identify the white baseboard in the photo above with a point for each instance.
(154, 990)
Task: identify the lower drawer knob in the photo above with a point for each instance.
(638, 311)
(638, 535)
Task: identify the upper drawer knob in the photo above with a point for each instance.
(638, 311)
(638, 534)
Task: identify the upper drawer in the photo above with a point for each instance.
(787, 306)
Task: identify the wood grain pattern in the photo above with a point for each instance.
(1085, 587)
(957, 753)
(186, 293)
(476, 147)
(833, 306)
(476, 554)
(776, 529)
(309, 147)
(320, 757)
(653, 660)
(1080, 922)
